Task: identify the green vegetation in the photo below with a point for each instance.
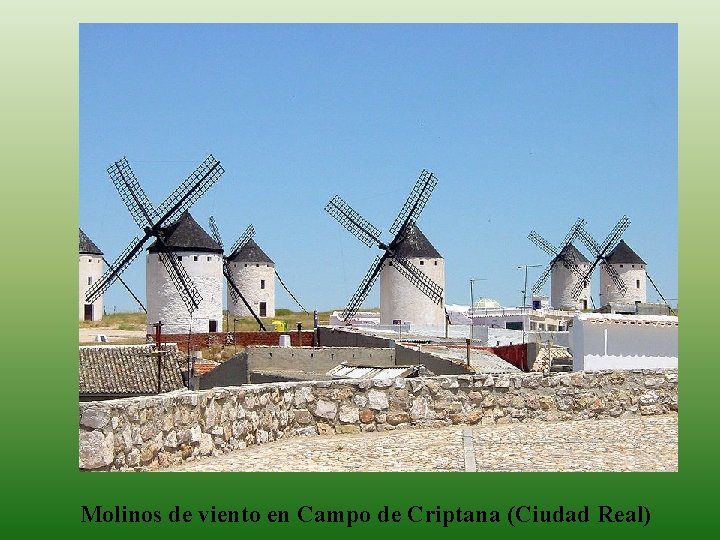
(119, 321)
(288, 317)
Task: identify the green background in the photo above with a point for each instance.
(42, 488)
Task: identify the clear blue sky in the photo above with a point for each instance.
(527, 127)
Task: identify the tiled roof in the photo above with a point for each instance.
(186, 235)
(622, 254)
(416, 245)
(88, 246)
(571, 254)
(123, 370)
(250, 252)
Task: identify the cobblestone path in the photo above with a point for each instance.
(619, 444)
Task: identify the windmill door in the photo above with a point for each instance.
(88, 312)
(263, 309)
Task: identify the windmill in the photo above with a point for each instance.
(233, 289)
(601, 252)
(396, 254)
(567, 267)
(153, 222)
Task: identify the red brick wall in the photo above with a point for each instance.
(241, 339)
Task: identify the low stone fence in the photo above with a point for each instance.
(155, 431)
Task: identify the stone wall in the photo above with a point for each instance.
(155, 431)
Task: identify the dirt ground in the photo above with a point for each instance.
(89, 335)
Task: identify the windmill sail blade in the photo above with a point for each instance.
(573, 233)
(115, 269)
(189, 191)
(617, 280)
(582, 282)
(216, 232)
(180, 278)
(614, 237)
(418, 278)
(365, 231)
(543, 244)
(364, 288)
(235, 293)
(243, 239)
(541, 280)
(127, 287)
(131, 193)
(589, 242)
(415, 202)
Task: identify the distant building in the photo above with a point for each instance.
(610, 341)
(254, 274)
(631, 269)
(401, 300)
(90, 260)
(201, 257)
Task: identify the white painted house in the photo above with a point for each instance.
(563, 280)
(631, 269)
(400, 300)
(202, 259)
(254, 274)
(90, 261)
(610, 341)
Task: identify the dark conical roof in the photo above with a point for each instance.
(186, 235)
(87, 245)
(623, 254)
(250, 252)
(572, 254)
(416, 245)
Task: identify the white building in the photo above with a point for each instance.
(609, 341)
(400, 300)
(254, 274)
(90, 260)
(563, 280)
(631, 269)
(202, 259)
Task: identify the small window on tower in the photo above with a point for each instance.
(245, 265)
(621, 266)
(89, 280)
(257, 265)
(209, 258)
(89, 260)
(637, 283)
(195, 257)
(180, 258)
(422, 262)
(435, 263)
(262, 283)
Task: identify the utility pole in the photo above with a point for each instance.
(524, 291)
(472, 303)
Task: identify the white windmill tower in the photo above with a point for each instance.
(567, 269)
(564, 277)
(400, 300)
(419, 296)
(254, 273)
(202, 259)
(630, 268)
(90, 260)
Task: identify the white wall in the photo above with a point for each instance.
(609, 344)
(91, 266)
(164, 303)
(401, 300)
(630, 274)
(248, 280)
